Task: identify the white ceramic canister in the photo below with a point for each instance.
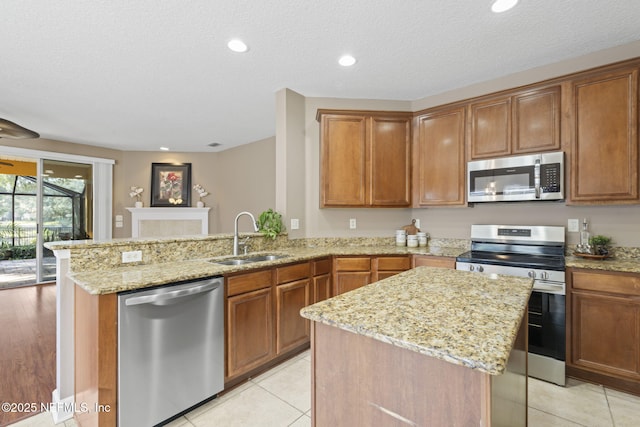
(412, 241)
(422, 239)
(401, 238)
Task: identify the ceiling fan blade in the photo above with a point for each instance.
(13, 131)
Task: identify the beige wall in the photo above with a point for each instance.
(246, 182)
(237, 179)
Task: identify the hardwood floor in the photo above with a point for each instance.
(27, 347)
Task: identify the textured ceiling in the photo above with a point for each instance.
(140, 74)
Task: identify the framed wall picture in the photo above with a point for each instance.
(170, 184)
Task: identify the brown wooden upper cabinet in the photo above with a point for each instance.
(365, 158)
(523, 122)
(604, 127)
(438, 158)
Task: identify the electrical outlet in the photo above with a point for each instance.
(352, 223)
(131, 256)
(417, 223)
(573, 225)
(295, 223)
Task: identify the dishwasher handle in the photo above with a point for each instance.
(165, 298)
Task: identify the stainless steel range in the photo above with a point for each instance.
(536, 252)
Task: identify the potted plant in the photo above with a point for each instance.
(600, 244)
(270, 224)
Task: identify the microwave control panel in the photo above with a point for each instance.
(550, 178)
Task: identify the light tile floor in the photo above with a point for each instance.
(281, 397)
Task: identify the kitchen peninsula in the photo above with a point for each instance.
(429, 346)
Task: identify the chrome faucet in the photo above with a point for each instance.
(235, 229)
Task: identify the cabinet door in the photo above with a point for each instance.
(606, 334)
(439, 162)
(292, 329)
(321, 288)
(390, 161)
(604, 158)
(343, 164)
(250, 331)
(536, 121)
(350, 280)
(491, 128)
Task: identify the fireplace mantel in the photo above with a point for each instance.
(159, 222)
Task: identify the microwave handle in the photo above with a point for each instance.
(536, 178)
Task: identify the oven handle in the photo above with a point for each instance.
(549, 287)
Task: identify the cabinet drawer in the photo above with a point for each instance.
(353, 264)
(248, 282)
(322, 266)
(606, 282)
(434, 261)
(394, 263)
(292, 272)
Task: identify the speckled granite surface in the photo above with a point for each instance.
(629, 265)
(125, 278)
(457, 316)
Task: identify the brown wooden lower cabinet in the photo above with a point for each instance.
(321, 270)
(351, 273)
(250, 331)
(291, 329)
(603, 338)
(387, 266)
(434, 261)
(250, 337)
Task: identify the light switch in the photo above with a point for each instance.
(295, 223)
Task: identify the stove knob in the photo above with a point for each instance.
(480, 268)
(471, 267)
(531, 274)
(544, 275)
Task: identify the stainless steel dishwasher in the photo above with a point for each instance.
(170, 350)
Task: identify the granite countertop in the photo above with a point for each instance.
(128, 278)
(463, 318)
(628, 265)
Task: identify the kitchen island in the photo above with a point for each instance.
(430, 346)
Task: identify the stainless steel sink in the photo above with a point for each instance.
(232, 261)
(266, 258)
(248, 259)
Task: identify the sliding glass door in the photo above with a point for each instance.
(58, 206)
(67, 209)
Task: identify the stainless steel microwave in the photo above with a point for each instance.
(518, 178)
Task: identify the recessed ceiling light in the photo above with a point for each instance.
(237, 45)
(346, 60)
(164, 148)
(500, 6)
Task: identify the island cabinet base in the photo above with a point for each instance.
(359, 381)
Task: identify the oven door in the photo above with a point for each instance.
(547, 320)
